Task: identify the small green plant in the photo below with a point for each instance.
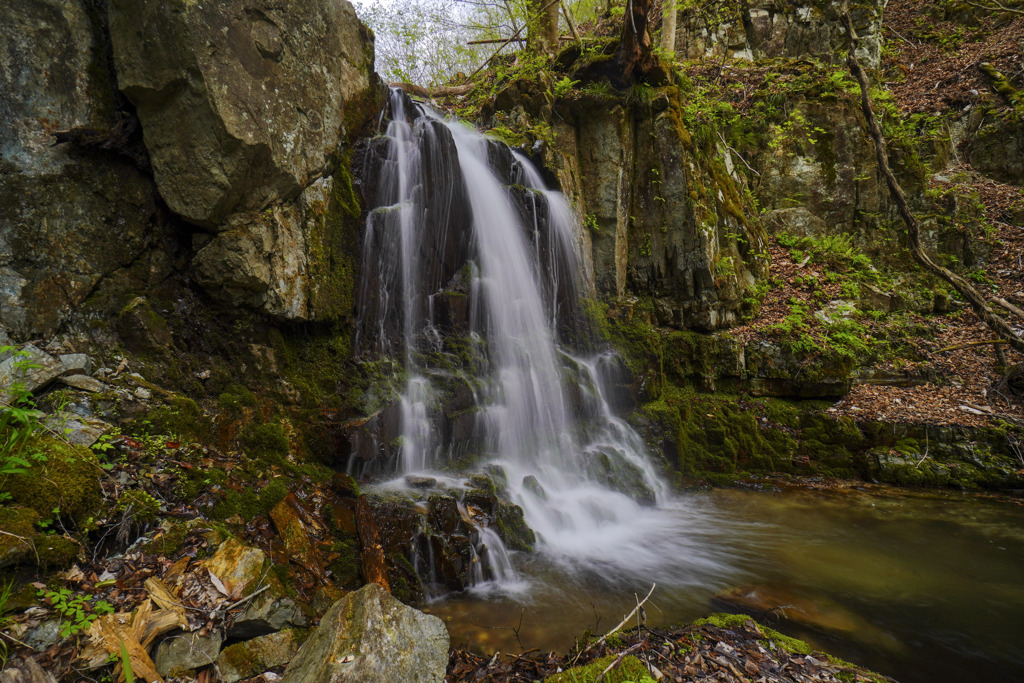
(564, 86)
(126, 665)
(20, 424)
(77, 611)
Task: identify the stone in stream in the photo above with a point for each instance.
(370, 636)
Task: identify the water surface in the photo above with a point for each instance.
(922, 586)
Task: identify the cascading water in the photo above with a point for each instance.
(473, 252)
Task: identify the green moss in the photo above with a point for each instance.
(56, 552)
(345, 567)
(512, 527)
(143, 506)
(67, 481)
(249, 503)
(629, 669)
(333, 252)
(267, 441)
(235, 398)
(182, 419)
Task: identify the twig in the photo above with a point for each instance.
(618, 660)
(502, 46)
(622, 623)
(568, 19)
(738, 156)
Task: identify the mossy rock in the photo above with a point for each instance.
(629, 669)
(182, 419)
(512, 527)
(267, 442)
(17, 523)
(250, 503)
(68, 481)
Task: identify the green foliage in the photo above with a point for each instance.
(77, 611)
(564, 86)
(20, 424)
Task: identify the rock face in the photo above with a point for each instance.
(241, 103)
(68, 217)
(775, 28)
(665, 219)
(370, 636)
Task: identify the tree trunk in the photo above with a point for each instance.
(635, 51)
(668, 29)
(542, 26)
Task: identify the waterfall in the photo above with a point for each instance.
(471, 278)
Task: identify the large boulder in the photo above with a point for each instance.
(68, 216)
(370, 636)
(241, 103)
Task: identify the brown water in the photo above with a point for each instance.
(921, 586)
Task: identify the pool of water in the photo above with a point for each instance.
(921, 586)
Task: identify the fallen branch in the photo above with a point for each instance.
(1010, 307)
(993, 342)
(978, 303)
(994, 7)
(429, 93)
(602, 639)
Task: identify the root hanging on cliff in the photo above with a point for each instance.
(978, 303)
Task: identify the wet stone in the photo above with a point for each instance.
(187, 651)
(418, 482)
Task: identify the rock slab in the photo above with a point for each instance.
(370, 636)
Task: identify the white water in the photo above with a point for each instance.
(556, 473)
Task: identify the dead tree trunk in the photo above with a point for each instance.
(668, 28)
(635, 51)
(978, 302)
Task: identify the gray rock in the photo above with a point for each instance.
(32, 368)
(76, 431)
(241, 103)
(253, 657)
(44, 635)
(370, 636)
(186, 651)
(26, 671)
(84, 383)
(268, 612)
(76, 363)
